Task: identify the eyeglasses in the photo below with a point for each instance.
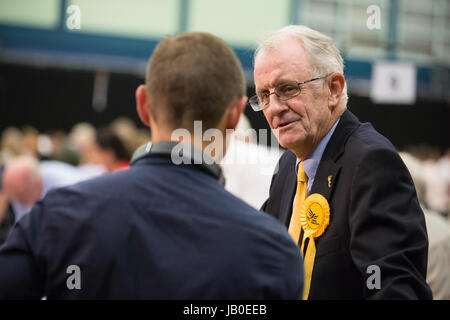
(284, 92)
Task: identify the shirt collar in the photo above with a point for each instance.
(311, 163)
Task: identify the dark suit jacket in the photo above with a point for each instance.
(154, 231)
(375, 217)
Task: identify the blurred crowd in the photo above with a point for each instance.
(107, 146)
(430, 171)
(32, 162)
(431, 168)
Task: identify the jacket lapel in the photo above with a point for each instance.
(326, 177)
(328, 171)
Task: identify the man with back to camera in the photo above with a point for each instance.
(341, 188)
(159, 230)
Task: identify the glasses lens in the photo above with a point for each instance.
(254, 103)
(288, 91)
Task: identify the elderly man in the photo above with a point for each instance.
(341, 188)
(159, 230)
(26, 180)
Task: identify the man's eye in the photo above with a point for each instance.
(287, 88)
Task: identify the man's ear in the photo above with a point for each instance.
(237, 106)
(142, 107)
(336, 86)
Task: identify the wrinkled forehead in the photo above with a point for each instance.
(286, 61)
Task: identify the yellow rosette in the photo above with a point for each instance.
(314, 217)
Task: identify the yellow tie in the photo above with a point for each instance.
(295, 226)
(308, 262)
(300, 196)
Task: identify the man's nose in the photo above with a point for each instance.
(275, 104)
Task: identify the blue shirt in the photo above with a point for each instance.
(311, 163)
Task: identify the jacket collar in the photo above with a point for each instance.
(328, 171)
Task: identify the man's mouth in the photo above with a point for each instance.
(284, 124)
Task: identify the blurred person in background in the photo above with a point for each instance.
(11, 144)
(127, 132)
(62, 150)
(22, 182)
(58, 140)
(111, 150)
(30, 140)
(438, 273)
(341, 188)
(82, 139)
(159, 230)
(26, 180)
(437, 179)
(7, 217)
(436, 173)
(248, 163)
(446, 169)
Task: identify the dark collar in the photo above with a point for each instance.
(348, 123)
(328, 171)
(180, 153)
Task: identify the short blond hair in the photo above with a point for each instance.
(193, 76)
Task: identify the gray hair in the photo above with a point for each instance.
(324, 56)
